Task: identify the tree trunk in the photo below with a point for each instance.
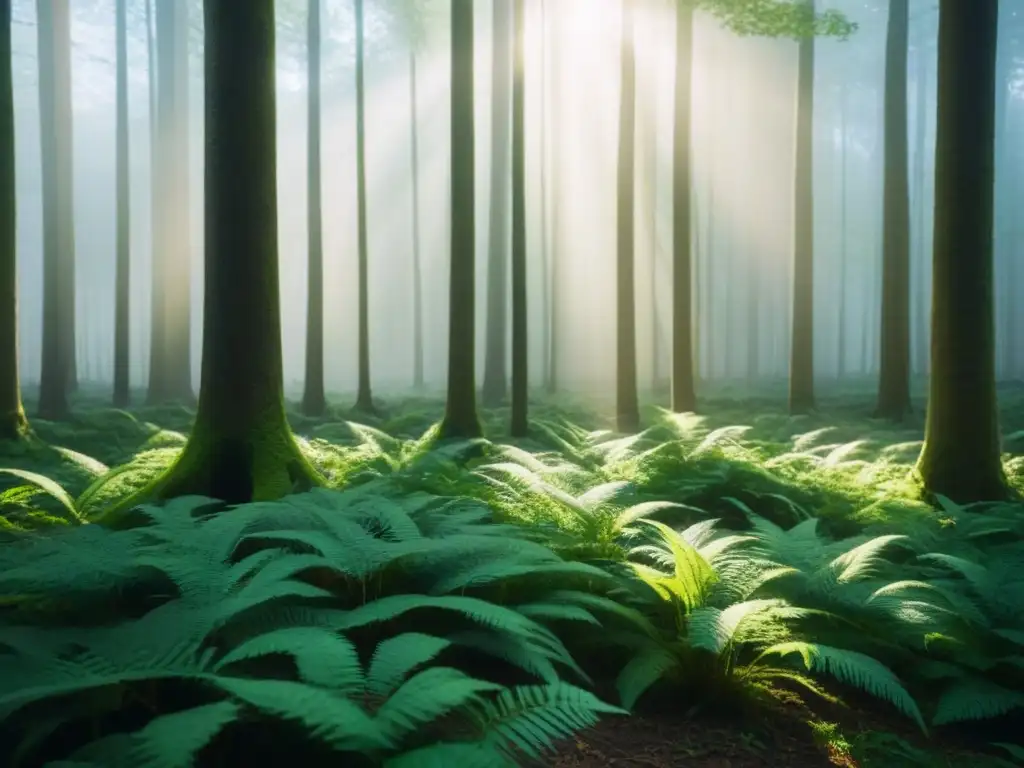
(894, 339)
(170, 377)
(314, 399)
(495, 382)
(559, 194)
(844, 259)
(684, 396)
(460, 417)
(801, 366)
(545, 233)
(56, 376)
(920, 211)
(122, 287)
(240, 448)
(961, 454)
(364, 395)
(157, 329)
(627, 404)
(13, 424)
(520, 358)
(417, 262)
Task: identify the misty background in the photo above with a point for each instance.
(744, 106)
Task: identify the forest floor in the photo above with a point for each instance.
(838, 465)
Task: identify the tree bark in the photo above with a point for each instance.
(13, 424)
(520, 356)
(460, 417)
(801, 366)
(314, 399)
(684, 397)
(57, 374)
(417, 260)
(122, 285)
(627, 402)
(241, 448)
(495, 384)
(961, 454)
(364, 395)
(894, 339)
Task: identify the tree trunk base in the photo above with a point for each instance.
(14, 425)
(265, 467)
(961, 482)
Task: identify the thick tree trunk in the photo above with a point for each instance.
(364, 395)
(314, 399)
(961, 454)
(684, 396)
(627, 403)
(460, 417)
(894, 339)
(417, 261)
(57, 374)
(801, 366)
(495, 384)
(122, 285)
(520, 357)
(240, 448)
(13, 424)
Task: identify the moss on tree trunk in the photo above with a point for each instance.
(684, 396)
(801, 365)
(961, 454)
(13, 424)
(314, 399)
(241, 448)
(520, 358)
(460, 416)
(894, 373)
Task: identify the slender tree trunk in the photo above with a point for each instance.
(417, 262)
(961, 454)
(460, 417)
(894, 339)
(801, 366)
(158, 276)
(559, 245)
(545, 232)
(918, 280)
(240, 448)
(314, 399)
(520, 356)
(627, 403)
(684, 396)
(364, 395)
(844, 161)
(56, 376)
(495, 384)
(122, 287)
(13, 424)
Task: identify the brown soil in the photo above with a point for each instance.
(667, 742)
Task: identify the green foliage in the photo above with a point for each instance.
(456, 602)
(215, 596)
(778, 18)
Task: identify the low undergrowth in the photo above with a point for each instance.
(476, 603)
